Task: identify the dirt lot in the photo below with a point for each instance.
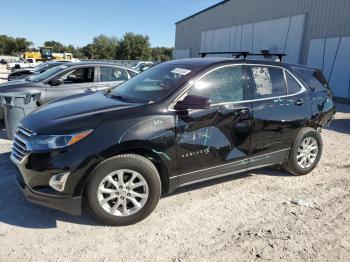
(247, 217)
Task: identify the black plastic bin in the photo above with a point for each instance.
(17, 105)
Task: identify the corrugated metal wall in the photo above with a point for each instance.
(324, 18)
(280, 35)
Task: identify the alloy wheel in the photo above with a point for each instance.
(307, 152)
(123, 192)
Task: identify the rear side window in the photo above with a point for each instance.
(313, 78)
(269, 81)
(221, 85)
(293, 85)
(109, 74)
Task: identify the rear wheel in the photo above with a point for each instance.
(123, 190)
(305, 152)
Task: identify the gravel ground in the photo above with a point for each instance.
(246, 217)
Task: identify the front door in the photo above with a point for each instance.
(75, 81)
(216, 141)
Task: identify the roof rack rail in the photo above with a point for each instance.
(264, 53)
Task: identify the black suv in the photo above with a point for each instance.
(175, 124)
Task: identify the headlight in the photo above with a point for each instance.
(44, 142)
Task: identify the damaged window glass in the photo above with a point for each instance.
(221, 85)
(269, 81)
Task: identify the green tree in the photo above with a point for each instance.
(104, 47)
(57, 47)
(13, 45)
(88, 51)
(135, 47)
(162, 53)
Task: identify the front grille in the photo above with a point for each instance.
(21, 147)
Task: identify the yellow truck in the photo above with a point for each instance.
(45, 54)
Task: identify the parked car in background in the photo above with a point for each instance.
(17, 74)
(75, 60)
(145, 67)
(176, 124)
(23, 63)
(142, 65)
(70, 79)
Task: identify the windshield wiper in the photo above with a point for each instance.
(123, 98)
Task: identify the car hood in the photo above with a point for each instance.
(14, 83)
(24, 76)
(24, 70)
(77, 113)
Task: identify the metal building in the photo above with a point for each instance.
(312, 32)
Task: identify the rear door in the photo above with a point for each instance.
(214, 142)
(280, 107)
(75, 81)
(111, 76)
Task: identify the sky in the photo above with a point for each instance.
(76, 22)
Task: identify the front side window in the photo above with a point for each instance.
(48, 73)
(79, 75)
(269, 81)
(221, 85)
(110, 74)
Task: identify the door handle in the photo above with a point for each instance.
(91, 89)
(300, 102)
(241, 112)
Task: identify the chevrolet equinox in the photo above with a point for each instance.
(178, 123)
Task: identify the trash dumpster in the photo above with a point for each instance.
(17, 105)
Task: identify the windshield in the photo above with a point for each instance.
(133, 63)
(47, 73)
(156, 83)
(40, 66)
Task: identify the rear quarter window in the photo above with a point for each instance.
(292, 85)
(132, 73)
(313, 78)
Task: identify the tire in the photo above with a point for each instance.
(300, 168)
(130, 165)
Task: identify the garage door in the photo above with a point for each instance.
(279, 35)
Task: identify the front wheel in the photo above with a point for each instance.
(123, 190)
(305, 152)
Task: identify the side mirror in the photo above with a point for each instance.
(193, 102)
(56, 81)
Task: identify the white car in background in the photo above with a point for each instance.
(23, 63)
(142, 65)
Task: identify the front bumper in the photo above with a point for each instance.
(71, 205)
(36, 168)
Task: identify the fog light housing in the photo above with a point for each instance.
(58, 182)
